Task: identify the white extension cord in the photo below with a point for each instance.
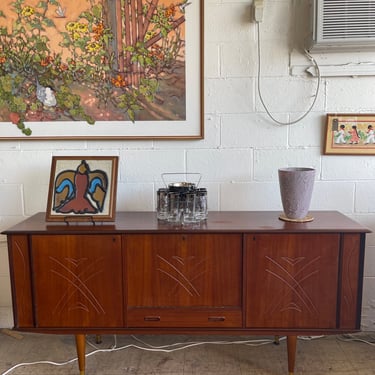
(180, 346)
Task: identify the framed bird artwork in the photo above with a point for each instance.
(82, 188)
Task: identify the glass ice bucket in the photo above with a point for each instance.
(182, 202)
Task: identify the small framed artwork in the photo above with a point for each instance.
(350, 134)
(82, 188)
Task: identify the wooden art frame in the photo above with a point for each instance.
(350, 134)
(82, 188)
(94, 75)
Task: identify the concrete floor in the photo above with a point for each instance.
(327, 355)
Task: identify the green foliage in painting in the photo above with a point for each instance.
(41, 83)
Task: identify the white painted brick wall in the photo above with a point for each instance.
(268, 161)
(252, 130)
(229, 164)
(349, 94)
(242, 149)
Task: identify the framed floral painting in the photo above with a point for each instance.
(101, 69)
(82, 188)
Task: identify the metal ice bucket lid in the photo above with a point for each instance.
(181, 187)
(181, 182)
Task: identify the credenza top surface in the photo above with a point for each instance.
(218, 221)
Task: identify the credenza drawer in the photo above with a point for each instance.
(163, 317)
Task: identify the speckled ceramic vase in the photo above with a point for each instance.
(296, 187)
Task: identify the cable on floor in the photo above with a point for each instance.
(350, 338)
(38, 363)
(152, 348)
(148, 347)
(257, 342)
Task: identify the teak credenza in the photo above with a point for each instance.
(237, 273)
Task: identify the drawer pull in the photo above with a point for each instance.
(152, 318)
(216, 318)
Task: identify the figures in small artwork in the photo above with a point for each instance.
(370, 136)
(359, 134)
(354, 136)
(340, 135)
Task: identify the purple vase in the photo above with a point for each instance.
(296, 186)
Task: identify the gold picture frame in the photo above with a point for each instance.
(350, 134)
(82, 188)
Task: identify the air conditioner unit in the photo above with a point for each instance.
(342, 25)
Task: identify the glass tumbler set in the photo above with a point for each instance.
(182, 205)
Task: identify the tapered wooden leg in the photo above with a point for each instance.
(81, 353)
(292, 346)
(98, 339)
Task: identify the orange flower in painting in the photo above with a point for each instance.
(98, 30)
(118, 81)
(3, 59)
(156, 51)
(14, 118)
(46, 61)
(170, 11)
(64, 67)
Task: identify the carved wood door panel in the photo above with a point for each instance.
(292, 280)
(77, 280)
(175, 279)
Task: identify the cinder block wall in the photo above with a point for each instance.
(242, 149)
